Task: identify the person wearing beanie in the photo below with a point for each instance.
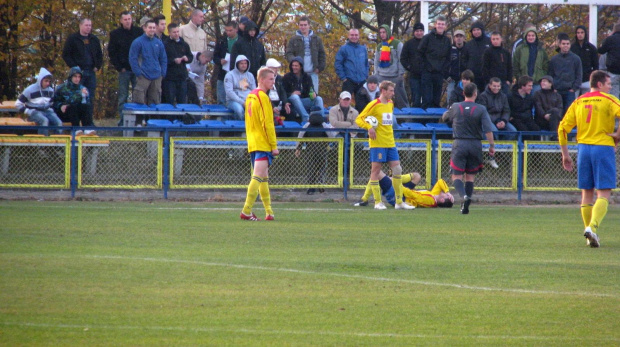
(530, 58)
(412, 62)
(548, 106)
(250, 46)
(368, 93)
(473, 51)
(388, 66)
(588, 55)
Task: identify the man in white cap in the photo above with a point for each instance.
(343, 115)
(277, 94)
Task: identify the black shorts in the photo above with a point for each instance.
(466, 157)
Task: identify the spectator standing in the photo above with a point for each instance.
(352, 63)
(588, 55)
(548, 106)
(388, 66)
(457, 64)
(71, 101)
(83, 49)
(309, 46)
(611, 47)
(566, 70)
(221, 56)
(473, 52)
(299, 90)
(521, 105)
(343, 115)
(178, 55)
(249, 45)
(368, 93)
(36, 102)
(412, 62)
(193, 34)
(435, 50)
(239, 82)
(118, 50)
(530, 58)
(497, 62)
(160, 27)
(277, 94)
(148, 60)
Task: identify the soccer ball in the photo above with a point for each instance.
(372, 121)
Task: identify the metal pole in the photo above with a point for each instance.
(593, 25)
(424, 14)
(167, 9)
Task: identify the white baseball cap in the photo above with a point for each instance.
(345, 95)
(273, 63)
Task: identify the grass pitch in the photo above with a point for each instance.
(327, 274)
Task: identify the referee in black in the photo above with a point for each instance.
(471, 121)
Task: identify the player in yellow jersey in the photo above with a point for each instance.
(382, 145)
(594, 114)
(262, 143)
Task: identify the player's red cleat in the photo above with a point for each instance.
(251, 217)
(270, 217)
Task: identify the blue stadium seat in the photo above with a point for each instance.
(215, 108)
(437, 125)
(238, 124)
(435, 111)
(166, 107)
(413, 126)
(189, 107)
(164, 123)
(398, 112)
(289, 124)
(137, 107)
(212, 123)
(414, 111)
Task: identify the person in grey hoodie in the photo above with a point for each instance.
(309, 46)
(238, 84)
(36, 102)
(566, 70)
(388, 66)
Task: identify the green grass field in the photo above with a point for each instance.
(323, 274)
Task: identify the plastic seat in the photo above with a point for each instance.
(414, 126)
(437, 125)
(235, 123)
(166, 107)
(190, 107)
(414, 111)
(436, 111)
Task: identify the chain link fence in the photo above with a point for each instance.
(415, 156)
(504, 177)
(35, 162)
(542, 162)
(206, 162)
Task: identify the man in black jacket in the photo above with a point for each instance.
(473, 51)
(118, 50)
(435, 51)
(498, 108)
(457, 64)
(299, 90)
(412, 62)
(548, 106)
(83, 49)
(588, 55)
(251, 47)
(611, 46)
(565, 68)
(521, 104)
(223, 47)
(497, 62)
(174, 85)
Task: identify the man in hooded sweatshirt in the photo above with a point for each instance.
(249, 46)
(368, 93)
(309, 46)
(238, 83)
(530, 58)
(473, 51)
(588, 55)
(71, 101)
(36, 102)
(412, 61)
(388, 66)
(299, 90)
(566, 70)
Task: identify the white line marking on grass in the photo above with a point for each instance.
(369, 278)
(306, 332)
(150, 208)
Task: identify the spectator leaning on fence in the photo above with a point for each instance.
(566, 70)
(192, 32)
(352, 63)
(147, 57)
(238, 83)
(309, 46)
(118, 50)
(588, 55)
(412, 62)
(71, 101)
(222, 48)
(178, 55)
(388, 66)
(299, 90)
(36, 102)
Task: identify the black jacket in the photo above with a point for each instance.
(75, 52)
(174, 49)
(496, 62)
(251, 47)
(281, 93)
(292, 83)
(545, 101)
(435, 51)
(219, 53)
(456, 95)
(410, 57)
(587, 53)
(362, 98)
(520, 108)
(611, 46)
(118, 47)
(566, 71)
(456, 66)
(472, 54)
(496, 104)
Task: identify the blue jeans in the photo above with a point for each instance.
(508, 127)
(175, 92)
(431, 84)
(238, 109)
(315, 81)
(221, 93)
(567, 99)
(89, 80)
(415, 84)
(44, 119)
(305, 105)
(124, 79)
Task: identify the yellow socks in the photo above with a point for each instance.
(376, 191)
(406, 178)
(265, 195)
(586, 214)
(367, 192)
(397, 183)
(252, 194)
(598, 213)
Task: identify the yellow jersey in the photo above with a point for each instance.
(595, 115)
(385, 115)
(259, 127)
(425, 198)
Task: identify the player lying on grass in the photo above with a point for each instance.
(439, 196)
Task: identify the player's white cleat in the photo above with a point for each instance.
(591, 238)
(380, 206)
(493, 163)
(404, 206)
(361, 203)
